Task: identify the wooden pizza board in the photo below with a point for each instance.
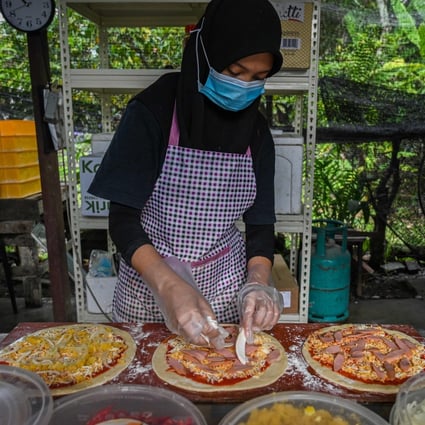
(298, 376)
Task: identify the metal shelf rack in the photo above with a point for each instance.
(104, 81)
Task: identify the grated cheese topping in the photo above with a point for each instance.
(65, 356)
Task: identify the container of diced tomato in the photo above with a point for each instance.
(117, 404)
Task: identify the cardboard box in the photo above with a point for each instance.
(296, 18)
(91, 205)
(288, 174)
(286, 284)
(101, 289)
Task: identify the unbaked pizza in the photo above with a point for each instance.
(207, 369)
(72, 357)
(364, 357)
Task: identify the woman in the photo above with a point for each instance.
(191, 155)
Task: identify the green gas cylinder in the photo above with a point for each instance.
(329, 273)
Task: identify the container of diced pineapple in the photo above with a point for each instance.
(301, 408)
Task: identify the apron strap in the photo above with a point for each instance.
(174, 137)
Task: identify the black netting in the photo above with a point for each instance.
(355, 112)
(15, 104)
(365, 112)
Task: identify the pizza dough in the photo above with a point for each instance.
(271, 373)
(73, 348)
(364, 357)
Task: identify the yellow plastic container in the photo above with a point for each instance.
(19, 172)
(17, 135)
(20, 189)
(14, 159)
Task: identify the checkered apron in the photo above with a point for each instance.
(191, 215)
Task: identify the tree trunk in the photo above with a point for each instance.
(382, 201)
(384, 15)
(377, 242)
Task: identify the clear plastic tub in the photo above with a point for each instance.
(122, 404)
(409, 407)
(300, 403)
(24, 398)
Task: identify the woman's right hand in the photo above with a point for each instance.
(188, 313)
(185, 309)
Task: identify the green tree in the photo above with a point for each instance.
(128, 48)
(379, 44)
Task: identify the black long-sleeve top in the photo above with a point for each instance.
(133, 162)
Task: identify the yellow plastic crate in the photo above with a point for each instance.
(17, 135)
(20, 189)
(14, 159)
(19, 173)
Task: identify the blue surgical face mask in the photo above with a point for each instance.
(229, 92)
(225, 91)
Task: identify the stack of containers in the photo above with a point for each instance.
(19, 170)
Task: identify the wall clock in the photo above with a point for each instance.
(28, 15)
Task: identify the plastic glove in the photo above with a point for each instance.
(186, 311)
(260, 307)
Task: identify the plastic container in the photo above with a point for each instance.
(409, 407)
(288, 173)
(101, 405)
(17, 135)
(307, 403)
(19, 172)
(18, 157)
(20, 189)
(24, 398)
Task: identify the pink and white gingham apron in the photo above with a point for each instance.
(191, 215)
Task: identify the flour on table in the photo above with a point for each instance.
(137, 369)
(137, 332)
(297, 365)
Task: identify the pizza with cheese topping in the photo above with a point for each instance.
(204, 368)
(70, 358)
(364, 357)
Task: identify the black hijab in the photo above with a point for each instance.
(230, 30)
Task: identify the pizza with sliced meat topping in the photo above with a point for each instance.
(71, 358)
(364, 357)
(208, 369)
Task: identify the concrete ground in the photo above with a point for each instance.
(407, 311)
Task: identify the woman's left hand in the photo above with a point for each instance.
(260, 304)
(260, 307)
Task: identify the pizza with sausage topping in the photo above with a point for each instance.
(72, 357)
(205, 368)
(364, 357)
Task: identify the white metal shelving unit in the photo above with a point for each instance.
(138, 13)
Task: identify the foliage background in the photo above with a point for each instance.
(378, 42)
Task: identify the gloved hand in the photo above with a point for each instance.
(187, 313)
(260, 307)
(185, 309)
